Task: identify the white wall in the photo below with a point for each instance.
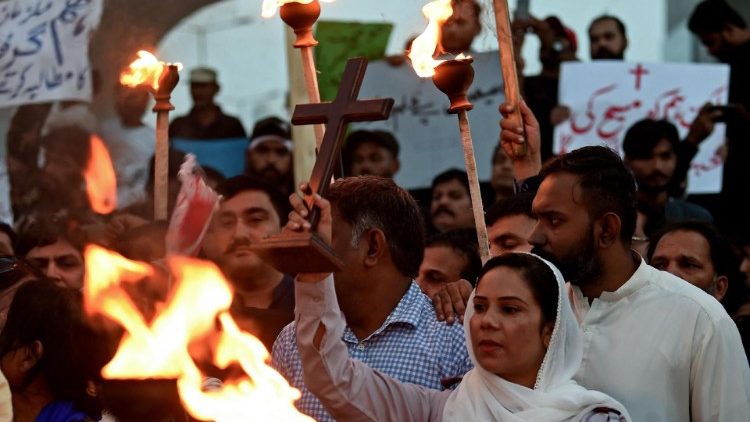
(252, 65)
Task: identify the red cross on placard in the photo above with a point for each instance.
(638, 71)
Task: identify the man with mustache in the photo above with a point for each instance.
(269, 154)
(450, 207)
(251, 210)
(650, 152)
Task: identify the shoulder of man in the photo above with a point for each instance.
(687, 296)
(284, 351)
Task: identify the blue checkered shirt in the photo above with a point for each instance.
(411, 346)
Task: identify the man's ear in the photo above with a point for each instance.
(722, 285)
(610, 226)
(376, 247)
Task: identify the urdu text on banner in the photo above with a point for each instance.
(607, 97)
(44, 50)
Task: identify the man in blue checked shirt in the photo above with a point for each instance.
(379, 234)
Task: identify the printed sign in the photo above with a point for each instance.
(44, 50)
(428, 136)
(607, 97)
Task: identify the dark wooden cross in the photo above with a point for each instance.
(305, 252)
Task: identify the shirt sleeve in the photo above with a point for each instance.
(719, 373)
(349, 389)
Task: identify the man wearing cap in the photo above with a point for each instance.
(371, 153)
(269, 154)
(205, 120)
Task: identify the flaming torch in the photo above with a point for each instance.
(161, 78)
(153, 376)
(101, 183)
(452, 77)
(508, 67)
(301, 15)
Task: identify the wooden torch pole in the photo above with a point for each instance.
(474, 190)
(508, 66)
(167, 82)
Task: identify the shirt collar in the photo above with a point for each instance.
(407, 312)
(639, 279)
(635, 282)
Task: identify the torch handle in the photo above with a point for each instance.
(313, 91)
(475, 192)
(508, 67)
(161, 166)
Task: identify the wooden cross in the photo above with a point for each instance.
(344, 109)
(305, 252)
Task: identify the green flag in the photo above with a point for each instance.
(340, 41)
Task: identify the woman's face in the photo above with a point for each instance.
(507, 334)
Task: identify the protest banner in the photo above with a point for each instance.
(427, 134)
(607, 97)
(44, 50)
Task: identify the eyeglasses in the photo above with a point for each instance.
(13, 269)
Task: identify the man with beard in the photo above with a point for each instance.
(665, 349)
(251, 210)
(269, 154)
(726, 36)
(650, 152)
(450, 207)
(608, 39)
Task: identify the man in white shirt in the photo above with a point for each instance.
(130, 143)
(661, 346)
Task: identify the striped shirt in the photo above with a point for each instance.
(411, 346)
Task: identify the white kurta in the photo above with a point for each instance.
(665, 349)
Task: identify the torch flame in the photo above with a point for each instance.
(101, 183)
(270, 6)
(160, 350)
(145, 70)
(423, 47)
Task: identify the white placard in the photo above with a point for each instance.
(429, 137)
(607, 97)
(44, 50)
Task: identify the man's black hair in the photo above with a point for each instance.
(519, 204)
(238, 184)
(607, 184)
(620, 25)
(463, 241)
(641, 139)
(713, 16)
(452, 174)
(272, 126)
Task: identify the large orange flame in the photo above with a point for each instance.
(270, 6)
(424, 46)
(101, 183)
(145, 70)
(201, 296)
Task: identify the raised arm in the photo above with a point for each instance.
(529, 164)
(349, 389)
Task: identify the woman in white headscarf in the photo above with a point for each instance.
(522, 336)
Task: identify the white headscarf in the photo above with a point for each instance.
(484, 396)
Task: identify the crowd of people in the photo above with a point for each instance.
(611, 295)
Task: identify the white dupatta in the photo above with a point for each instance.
(484, 396)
